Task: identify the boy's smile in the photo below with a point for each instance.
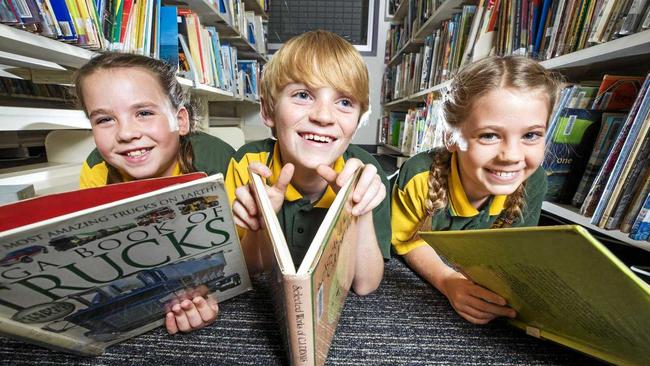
(314, 126)
(504, 136)
(134, 124)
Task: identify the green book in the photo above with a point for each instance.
(565, 286)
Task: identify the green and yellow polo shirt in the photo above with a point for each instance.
(300, 218)
(211, 156)
(411, 192)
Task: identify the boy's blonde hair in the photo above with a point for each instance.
(317, 58)
(472, 82)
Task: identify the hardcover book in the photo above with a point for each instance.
(309, 299)
(83, 270)
(565, 286)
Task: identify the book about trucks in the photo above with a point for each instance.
(82, 270)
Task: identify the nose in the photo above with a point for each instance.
(322, 113)
(127, 131)
(511, 151)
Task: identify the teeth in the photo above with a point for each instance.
(504, 174)
(136, 153)
(318, 138)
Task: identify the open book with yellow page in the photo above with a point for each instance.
(309, 300)
(565, 286)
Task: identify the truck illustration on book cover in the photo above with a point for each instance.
(121, 256)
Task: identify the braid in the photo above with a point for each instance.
(514, 207)
(186, 155)
(437, 188)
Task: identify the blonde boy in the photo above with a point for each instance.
(314, 92)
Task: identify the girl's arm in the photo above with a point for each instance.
(475, 303)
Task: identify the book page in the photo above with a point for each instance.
(560, 280)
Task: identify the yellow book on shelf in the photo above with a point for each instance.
(565, 286)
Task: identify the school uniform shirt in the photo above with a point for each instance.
(300, 218)
(411, 192)
(211, 156)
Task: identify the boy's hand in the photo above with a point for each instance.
(244, 207)
(475, 303)
(368, 193)
(187, 315)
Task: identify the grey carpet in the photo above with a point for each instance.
(406, 322)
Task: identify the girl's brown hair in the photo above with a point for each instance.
(166, 76)
(472, 82)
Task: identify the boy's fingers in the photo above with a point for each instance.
(328, 174)
(369, 195)
(284, 179)
(350, 167)
(170, 323)
(244, 196)
(259, 168)
(368, 176)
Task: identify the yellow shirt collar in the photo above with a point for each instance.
(292, 193)
(176, 172)
(460, 205)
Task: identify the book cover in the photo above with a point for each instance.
(568, 150)
(617, 92)
(86, 269)
(609, 130)
(168, 44)
(309, 300)
(565, 286)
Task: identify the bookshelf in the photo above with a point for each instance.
(625, 55)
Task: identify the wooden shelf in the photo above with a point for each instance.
(571, 214)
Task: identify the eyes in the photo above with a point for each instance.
(142, 114)
(529, 137)
(303, 96)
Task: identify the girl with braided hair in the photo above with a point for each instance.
(487, 175)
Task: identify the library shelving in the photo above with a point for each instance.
(627, 54)
(40, 59)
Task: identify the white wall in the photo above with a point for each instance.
(368, 134)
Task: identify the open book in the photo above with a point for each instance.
(309, 300)
(565, 286)
(82, 270)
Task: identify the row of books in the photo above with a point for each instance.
(13, 87)
(542, 29)
(246, 22)
(419, 129)
(171, 33)
(598, 149)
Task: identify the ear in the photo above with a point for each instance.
(183, 118)
(268, 120)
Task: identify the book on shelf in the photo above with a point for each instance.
(309, 299)
(641, 227)
(636, 141)
(630, 127)
(636, 205)
(565, 286)
(571, 139)
(610, 128)
(86, 269)
(617, 93)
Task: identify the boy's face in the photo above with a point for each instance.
(134, 125)
(504, 136)
(313, 126)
